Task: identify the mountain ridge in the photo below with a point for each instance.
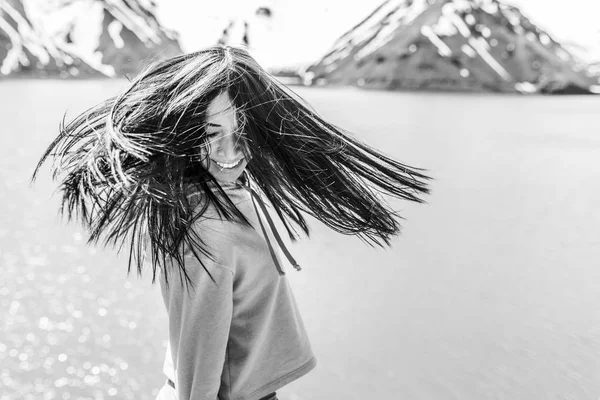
(71, 39)
(463, 45)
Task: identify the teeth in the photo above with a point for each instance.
(228, 165)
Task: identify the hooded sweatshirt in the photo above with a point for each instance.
(243, 337)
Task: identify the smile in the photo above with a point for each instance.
(229, 166)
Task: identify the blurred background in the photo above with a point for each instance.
(491, 291)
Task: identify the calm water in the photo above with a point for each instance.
(491, 292)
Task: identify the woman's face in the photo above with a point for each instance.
(226, 161)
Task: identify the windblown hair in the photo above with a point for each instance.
(128, 165)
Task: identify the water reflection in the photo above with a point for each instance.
(69, 319)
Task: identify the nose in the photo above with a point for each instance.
(230, 147)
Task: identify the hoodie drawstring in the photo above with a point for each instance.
(256, 199)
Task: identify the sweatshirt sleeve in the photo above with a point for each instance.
(199, 323)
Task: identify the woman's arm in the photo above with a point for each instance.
(199, 323)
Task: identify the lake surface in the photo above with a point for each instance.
(491, 292)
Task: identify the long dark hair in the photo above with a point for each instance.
(129, 164)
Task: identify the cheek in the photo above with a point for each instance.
(209, 148)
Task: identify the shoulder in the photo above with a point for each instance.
(213, 233)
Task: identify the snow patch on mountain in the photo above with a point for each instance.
(80, 37)
(449, 44)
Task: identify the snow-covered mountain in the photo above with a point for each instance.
(466, 45)
(253, 30)
(75, 38)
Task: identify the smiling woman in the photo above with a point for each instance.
(227, 154)
(180, 165)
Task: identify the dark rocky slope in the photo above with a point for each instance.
(78, 38)
(462, 45)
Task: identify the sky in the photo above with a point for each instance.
(303, 30)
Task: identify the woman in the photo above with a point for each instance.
(178, 165)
